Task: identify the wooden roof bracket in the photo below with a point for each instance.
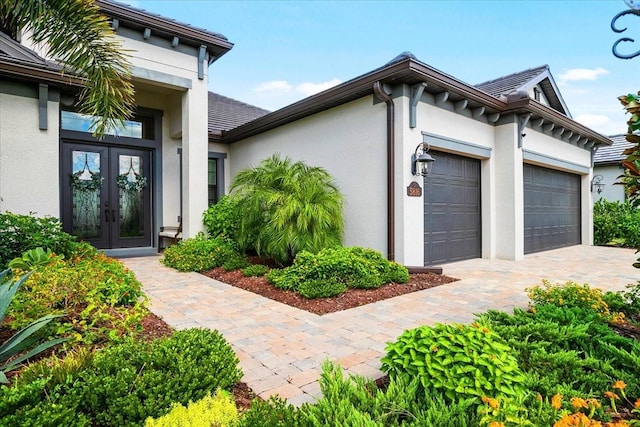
(414, 98)
(522, 124)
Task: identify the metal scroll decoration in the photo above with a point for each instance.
(634, 6)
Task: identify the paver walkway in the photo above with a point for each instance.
(281, 348)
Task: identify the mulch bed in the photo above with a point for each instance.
(351, 298)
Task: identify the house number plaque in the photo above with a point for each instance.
(414, 190)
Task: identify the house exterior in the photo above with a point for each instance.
(51, 165)
(607, 168)
(512, 170)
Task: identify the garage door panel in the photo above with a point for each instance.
(552, 209)
(452, 210)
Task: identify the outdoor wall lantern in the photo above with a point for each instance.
(596, 184)
(421, 160)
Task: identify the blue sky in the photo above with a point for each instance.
(287, 50)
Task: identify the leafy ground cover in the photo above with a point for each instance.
(349, 299)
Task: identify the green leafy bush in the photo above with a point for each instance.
(255, 270)
(275, 412)
(569, 294)
(321, 288)
(568, 350)
(356, 401)
(97, 298)
(352, 267)
(287, 208)
(616, 223)
(20, 233)
(218, 410)
(127, 383)
(223, 218)
(199, 253)
(236, 262)
(22, 345)
(459, 360)
(627, 302)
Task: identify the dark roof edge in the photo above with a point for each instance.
(394, 73)
(357, 88)
(36, 72)
(141, 17)
(538, 109)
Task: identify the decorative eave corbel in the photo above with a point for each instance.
(492, 118)
(558, 132)
(477, 112)
(441, 97)
(201, 57)
(522, 124)
(548, 127)
(414, 98)
(146, 33)
(537, 123)
(461, 105)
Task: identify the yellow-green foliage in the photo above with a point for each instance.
(218, 410)
(569, 294)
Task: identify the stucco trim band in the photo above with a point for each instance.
(457, 146)
(543, 159)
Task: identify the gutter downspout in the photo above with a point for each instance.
(382, 95)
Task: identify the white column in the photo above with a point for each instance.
(509, 194)
(194, 157)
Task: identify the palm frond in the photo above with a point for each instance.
(80, 38)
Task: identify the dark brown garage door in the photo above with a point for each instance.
(452, 210)
(551, 209)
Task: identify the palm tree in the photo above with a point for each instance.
(82, 41)
(286, 208)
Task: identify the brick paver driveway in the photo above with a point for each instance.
(281, 348)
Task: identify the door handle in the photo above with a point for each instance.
(113, 215)
(106, 215)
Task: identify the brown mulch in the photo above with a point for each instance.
(351, 298)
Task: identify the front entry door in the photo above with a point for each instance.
(106, 195)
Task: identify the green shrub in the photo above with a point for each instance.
(127, 383)
(356, 401)
(569, 294)
(20, 233)
(236, 262)
(616, 223)
(199, 253)
(627, 302)
(255, 270)
(287, 208)
(459, 360)
(321, 288)
(275, 412)
(353, 267)
(223, 218)
(98, 298)
(569, 350)
(210, 411)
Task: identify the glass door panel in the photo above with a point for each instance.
(106, 195)
(132, 193)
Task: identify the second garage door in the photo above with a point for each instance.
(551, 209)
(452, 220)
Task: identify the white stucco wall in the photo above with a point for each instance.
(349, 141)
(29, 177)
(610, 191)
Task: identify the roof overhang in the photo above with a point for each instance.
(410, 71)
(216, 44)
(21, 70)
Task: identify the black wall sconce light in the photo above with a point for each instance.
(421, 160)
(596, 184)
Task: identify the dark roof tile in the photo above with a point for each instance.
(226, 113)
(611, 154)
(507, 84)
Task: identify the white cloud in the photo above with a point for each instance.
(581, 74)
(604, 124)
(281, 86)
(308, 89)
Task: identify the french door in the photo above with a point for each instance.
(106, 195)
